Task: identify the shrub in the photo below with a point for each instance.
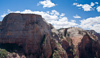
(3, 53)
(56, 54)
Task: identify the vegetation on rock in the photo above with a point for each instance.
(32, 37)
(3, 53)
(56, 54)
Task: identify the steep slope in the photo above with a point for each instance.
(30, 36)
(0, 22)
(82, 43)
(27, 34)
(94, 34)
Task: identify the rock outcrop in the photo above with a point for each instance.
(82, 44)
(94, 34)
(30, 36)
(27, 34)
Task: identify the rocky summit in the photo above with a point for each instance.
(30, 36)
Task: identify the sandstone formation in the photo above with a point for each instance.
(27, 34)
(94, 34)
(30, 36)
(82, 44)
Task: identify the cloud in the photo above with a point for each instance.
(53, 17)
(98, 8)
(73, 21)
(59, 20)
(75, 3)
(3, 15)
(92, 4)
(96, 27)
(96, 3)
(91, 23)
(76, 16)
(79, 5)
(54, 12)
(86, 7)
(46, 3)
(62, 14)
(47, 15)
(63, 23)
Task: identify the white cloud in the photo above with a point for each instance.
(98, 8)
(3, 15)
(64, 19)
(62, 14)
(46, 3)
(79, 5)
(96, 3)
(75, 3)
(53, 17)
(73, 21)
(54, 12)
(92, 4)
(85, 7)
(96, 27)
(63, 22)
(76, 16)
(91, 23)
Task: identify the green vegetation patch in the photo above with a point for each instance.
(56, 54)
(3, 53)
(44, 39)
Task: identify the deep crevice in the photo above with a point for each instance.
(11, 47)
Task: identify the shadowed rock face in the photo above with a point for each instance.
(0, 22)
(88, 48)
(30, 32)
(26, 30)
(32, 36)
(81, 43)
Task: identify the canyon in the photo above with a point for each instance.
(30, 36)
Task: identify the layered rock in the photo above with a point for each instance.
(26, 30)
(81, 43)
(29, 33)
(94, 34)
(30, 36)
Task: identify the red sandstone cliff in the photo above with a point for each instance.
(30, 35)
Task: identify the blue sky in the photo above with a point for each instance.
(61, 13)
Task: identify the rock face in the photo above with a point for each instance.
(94, 34)
(27, 34)
(30, 36)
(26, 30)
(0, 24)
(82, 44)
